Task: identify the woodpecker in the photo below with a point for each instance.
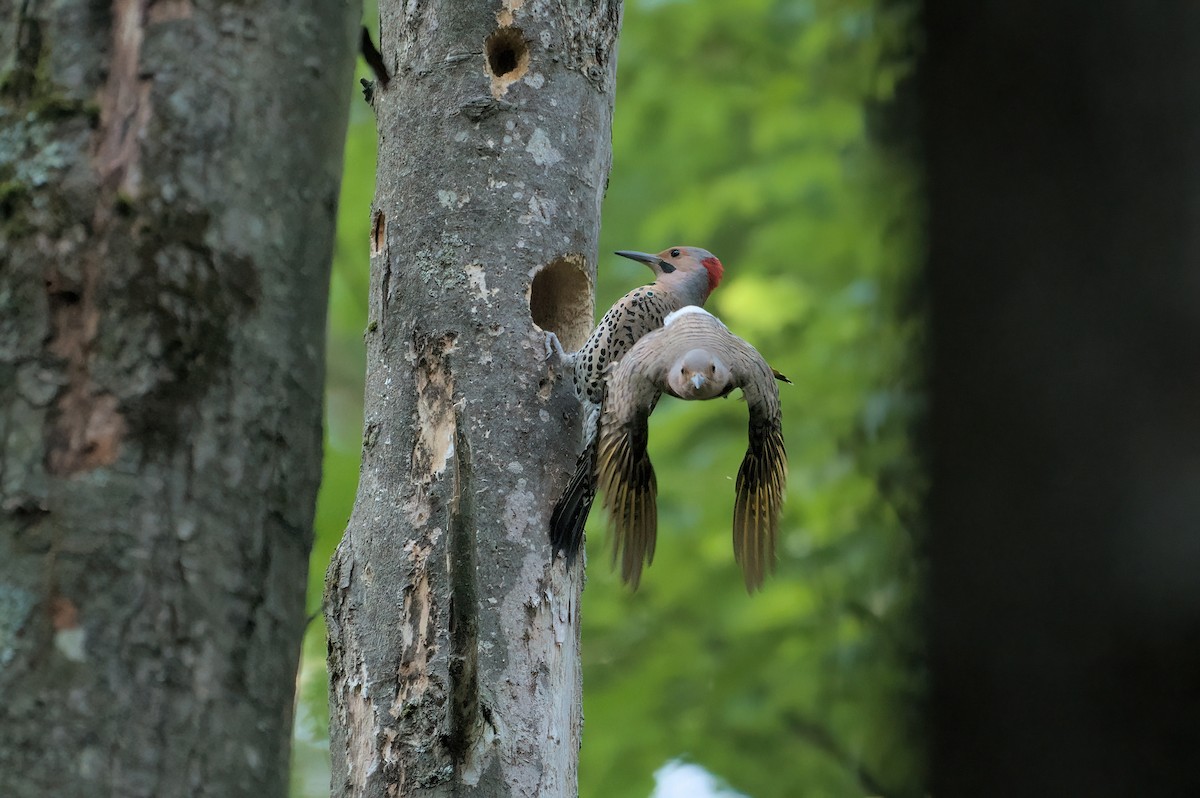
(693, 357)
(684, 276)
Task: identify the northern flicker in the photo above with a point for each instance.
(683, 276)
(695, 357)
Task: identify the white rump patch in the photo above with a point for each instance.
(683, 311)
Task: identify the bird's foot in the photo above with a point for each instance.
(554, 347)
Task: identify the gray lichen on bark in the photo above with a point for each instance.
(168, 181)
(453, 649)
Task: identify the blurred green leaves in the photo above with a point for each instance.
(742, 128)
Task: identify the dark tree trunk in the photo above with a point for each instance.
(1064, 176)
(454, 656)
(168, 181)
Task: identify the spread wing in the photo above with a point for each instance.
(762, 477)
(626, 474)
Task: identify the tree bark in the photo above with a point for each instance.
(453, 653)
(1064, 244)
(168, 182)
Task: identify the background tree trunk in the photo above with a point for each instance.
(1064, 182)
(168, 180)
(454, 656)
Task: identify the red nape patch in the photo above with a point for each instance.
(715, 272)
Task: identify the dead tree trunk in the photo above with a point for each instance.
(168, 180)
(453, 639)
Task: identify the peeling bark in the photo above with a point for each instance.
(454, 642)
(168, 181)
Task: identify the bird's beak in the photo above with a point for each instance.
(646, 258)
(698, 380)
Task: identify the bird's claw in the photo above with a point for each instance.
(554, 347)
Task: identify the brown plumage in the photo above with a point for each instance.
(683, 276)
(693, 357)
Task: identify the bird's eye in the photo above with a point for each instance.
(675, 253)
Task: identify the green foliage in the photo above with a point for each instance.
(743, 128)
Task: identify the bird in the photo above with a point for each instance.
(693, 357)
(684, 276)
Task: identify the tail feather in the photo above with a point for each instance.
(571, 511)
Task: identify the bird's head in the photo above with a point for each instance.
(699, 374)
(683, 261)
